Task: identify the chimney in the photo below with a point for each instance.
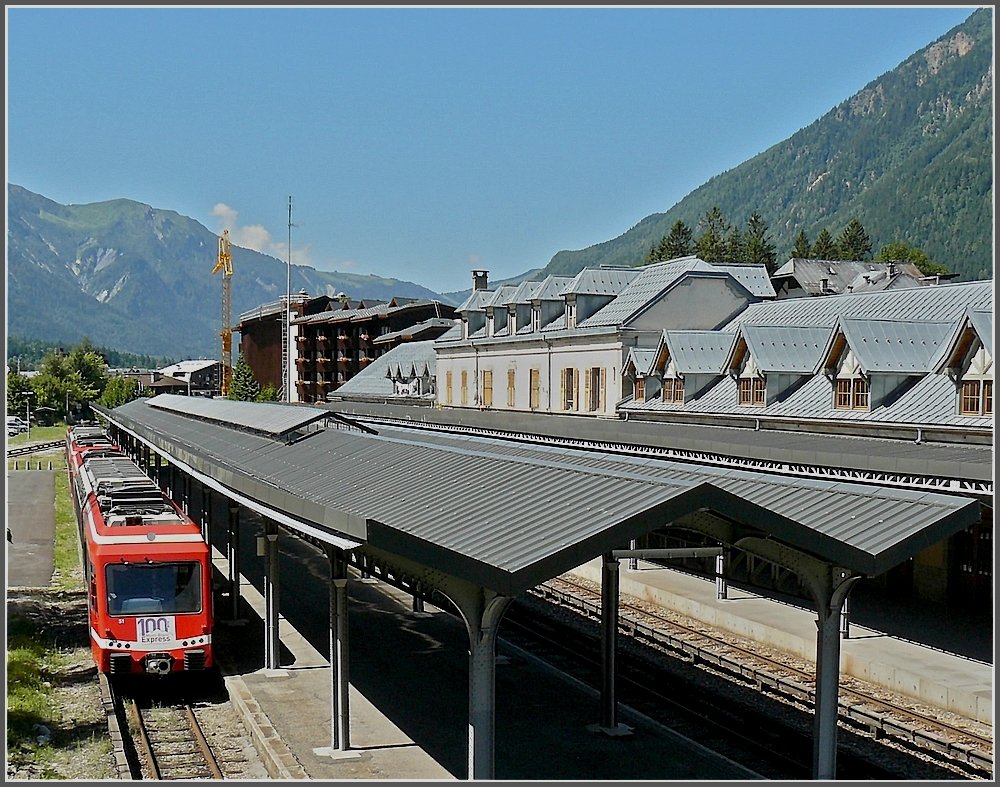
(824, 285)
(892, 269)
(480, 280)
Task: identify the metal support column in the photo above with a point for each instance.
(233, 547)
(272, 640)
(206, 515)
(721, 586)
(340, 712)
(482, 628)
(609, 647)
(828, 678)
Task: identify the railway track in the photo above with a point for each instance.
(959, 749)
(171, 743)
(161, 736)
(34, 448)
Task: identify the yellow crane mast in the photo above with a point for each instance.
(225, 265)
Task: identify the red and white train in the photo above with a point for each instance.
(148, 568)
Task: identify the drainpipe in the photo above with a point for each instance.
(548, 376)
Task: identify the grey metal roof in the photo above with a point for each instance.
(642, 359)
(453, 334)
(547, 509)
(698, 352)
(656, 279)
(931, 401)
(523, 292)
(940, 302)
(646, 286)
(982, 323)
(780, 348)
(501, 296)
(753, 277)
(372, 380)
(550, 288)
(417, 329)
(600, 281)
(840, 274)
(896, 345)
(476, 301)
(261, 417)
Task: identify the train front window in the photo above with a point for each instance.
(153, 588)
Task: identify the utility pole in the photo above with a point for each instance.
(286, 333)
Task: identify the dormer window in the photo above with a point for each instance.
(977, 397)
(511, 323)
(673, 390)
(751, 384)
(851, 393)
(536, 318)
(752, 391)
(571, 314)
(851, 390)
(640, 390)
(489, 324)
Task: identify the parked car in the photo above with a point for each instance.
(15, 425)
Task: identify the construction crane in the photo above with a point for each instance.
(225, 265)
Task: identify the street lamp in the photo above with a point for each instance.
(27, 413)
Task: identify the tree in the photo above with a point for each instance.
(824, 248)
(18, 391)
(711, 244)
(269, 393)
(244, 386)
(735, 246)
(854, 243)
(678, 243)
(801, 249)
(758, 248)
(119, 390)
(901, 251)
(70, 382)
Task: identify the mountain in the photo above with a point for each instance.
(910, 156)
(139, 279)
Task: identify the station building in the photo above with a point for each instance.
(693, 344)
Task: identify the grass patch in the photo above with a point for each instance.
(39, 434)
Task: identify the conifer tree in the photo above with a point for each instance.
(854, 243)
(711, 244)
(679, 242)
(824, 248)
(758, 248)
(244, 386)
(735, 246)
(801, 249)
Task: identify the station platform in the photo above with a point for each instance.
(951, 680)
(409, 704)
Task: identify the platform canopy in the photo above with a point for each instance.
(507, 516)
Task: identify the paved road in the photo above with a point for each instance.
(31, 519)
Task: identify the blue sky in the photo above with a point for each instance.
(420, 143)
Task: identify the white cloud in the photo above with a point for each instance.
(258, 237)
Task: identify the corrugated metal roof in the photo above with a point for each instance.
(501, 296)
(940, 302)
(699, 352)
(476, 301)
(895, 345)
(642, 359)
(780, 348)
(550, 288)
(982, 322)
(547, 509)
(753, 277)
(647, 285)
(261, 417)
(372, 380)
(840, 275)
(931, 401)
(523, 292)
(600, 281)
